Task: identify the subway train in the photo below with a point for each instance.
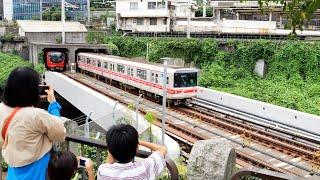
(55, 60)
(142, 77)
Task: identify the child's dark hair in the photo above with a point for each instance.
(122, 142)
(62, 165)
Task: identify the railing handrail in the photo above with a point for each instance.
(263, 174)
(173, 170)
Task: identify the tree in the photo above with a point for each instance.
(298, 11)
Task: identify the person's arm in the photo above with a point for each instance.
(54, 107)
(89, 169)
(51, 125)
(154, 147)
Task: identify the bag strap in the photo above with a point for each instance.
(8, 121)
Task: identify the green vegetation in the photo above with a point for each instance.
(293, 74)
(8, 63)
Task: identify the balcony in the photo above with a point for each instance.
(145, 13)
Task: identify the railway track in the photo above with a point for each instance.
(256, 134)
(200, 126)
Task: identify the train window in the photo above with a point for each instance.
(93, 62)
(120, 68)
(88, 61)
(142, 74)
(105, 65)
(167, 80)
(110, 66)
(185, 79)
(157, 79)
(99, 63)
(130, 71)
(152, 77)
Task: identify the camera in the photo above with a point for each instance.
(82, 162)
(42, 89)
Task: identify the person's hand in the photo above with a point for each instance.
(50, 95)
(89, 165)
(89, 169)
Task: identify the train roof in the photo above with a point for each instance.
(137, 63)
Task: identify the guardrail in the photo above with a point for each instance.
(262, 174)
(102, 146)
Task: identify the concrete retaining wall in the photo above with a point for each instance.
(50, 37)
(304, 121)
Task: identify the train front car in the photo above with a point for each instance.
(55, 60)
(184, 85)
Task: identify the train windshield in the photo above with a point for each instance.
(185, 79)
(56, 57)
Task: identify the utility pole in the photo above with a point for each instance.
(189, 12)
(113, 113)
(204, 9)
(40, 10)
(164, 98)
(86, 126)
(63, 20)
(137, 111)
(88, 12)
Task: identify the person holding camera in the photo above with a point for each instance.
(27, 132)
(63, 165)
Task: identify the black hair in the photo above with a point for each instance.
(122, 142)
(21, 89)
(62, 165)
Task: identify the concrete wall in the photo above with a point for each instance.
(303, 121)
(50, 37)
(16, 47)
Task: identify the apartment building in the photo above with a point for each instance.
(150, 15)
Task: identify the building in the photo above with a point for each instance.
(50, 31)
(33, 9)
(250, 10)
(171, 16)
(150, 15)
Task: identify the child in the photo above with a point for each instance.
(64, 164)
(122, 142)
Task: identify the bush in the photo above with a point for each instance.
(293, 66)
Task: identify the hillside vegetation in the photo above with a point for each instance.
(292, 81)
(9, 61)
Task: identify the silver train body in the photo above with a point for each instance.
(147, 78)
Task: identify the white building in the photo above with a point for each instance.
(150, 15)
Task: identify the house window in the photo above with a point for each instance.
(152, 5)
(161, 5)
(133, 5)
(164, 21)
(142, 74)
(153, 21)
(140, 21)
(120, 68)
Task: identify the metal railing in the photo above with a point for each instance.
(262, 174)
(102, 146)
